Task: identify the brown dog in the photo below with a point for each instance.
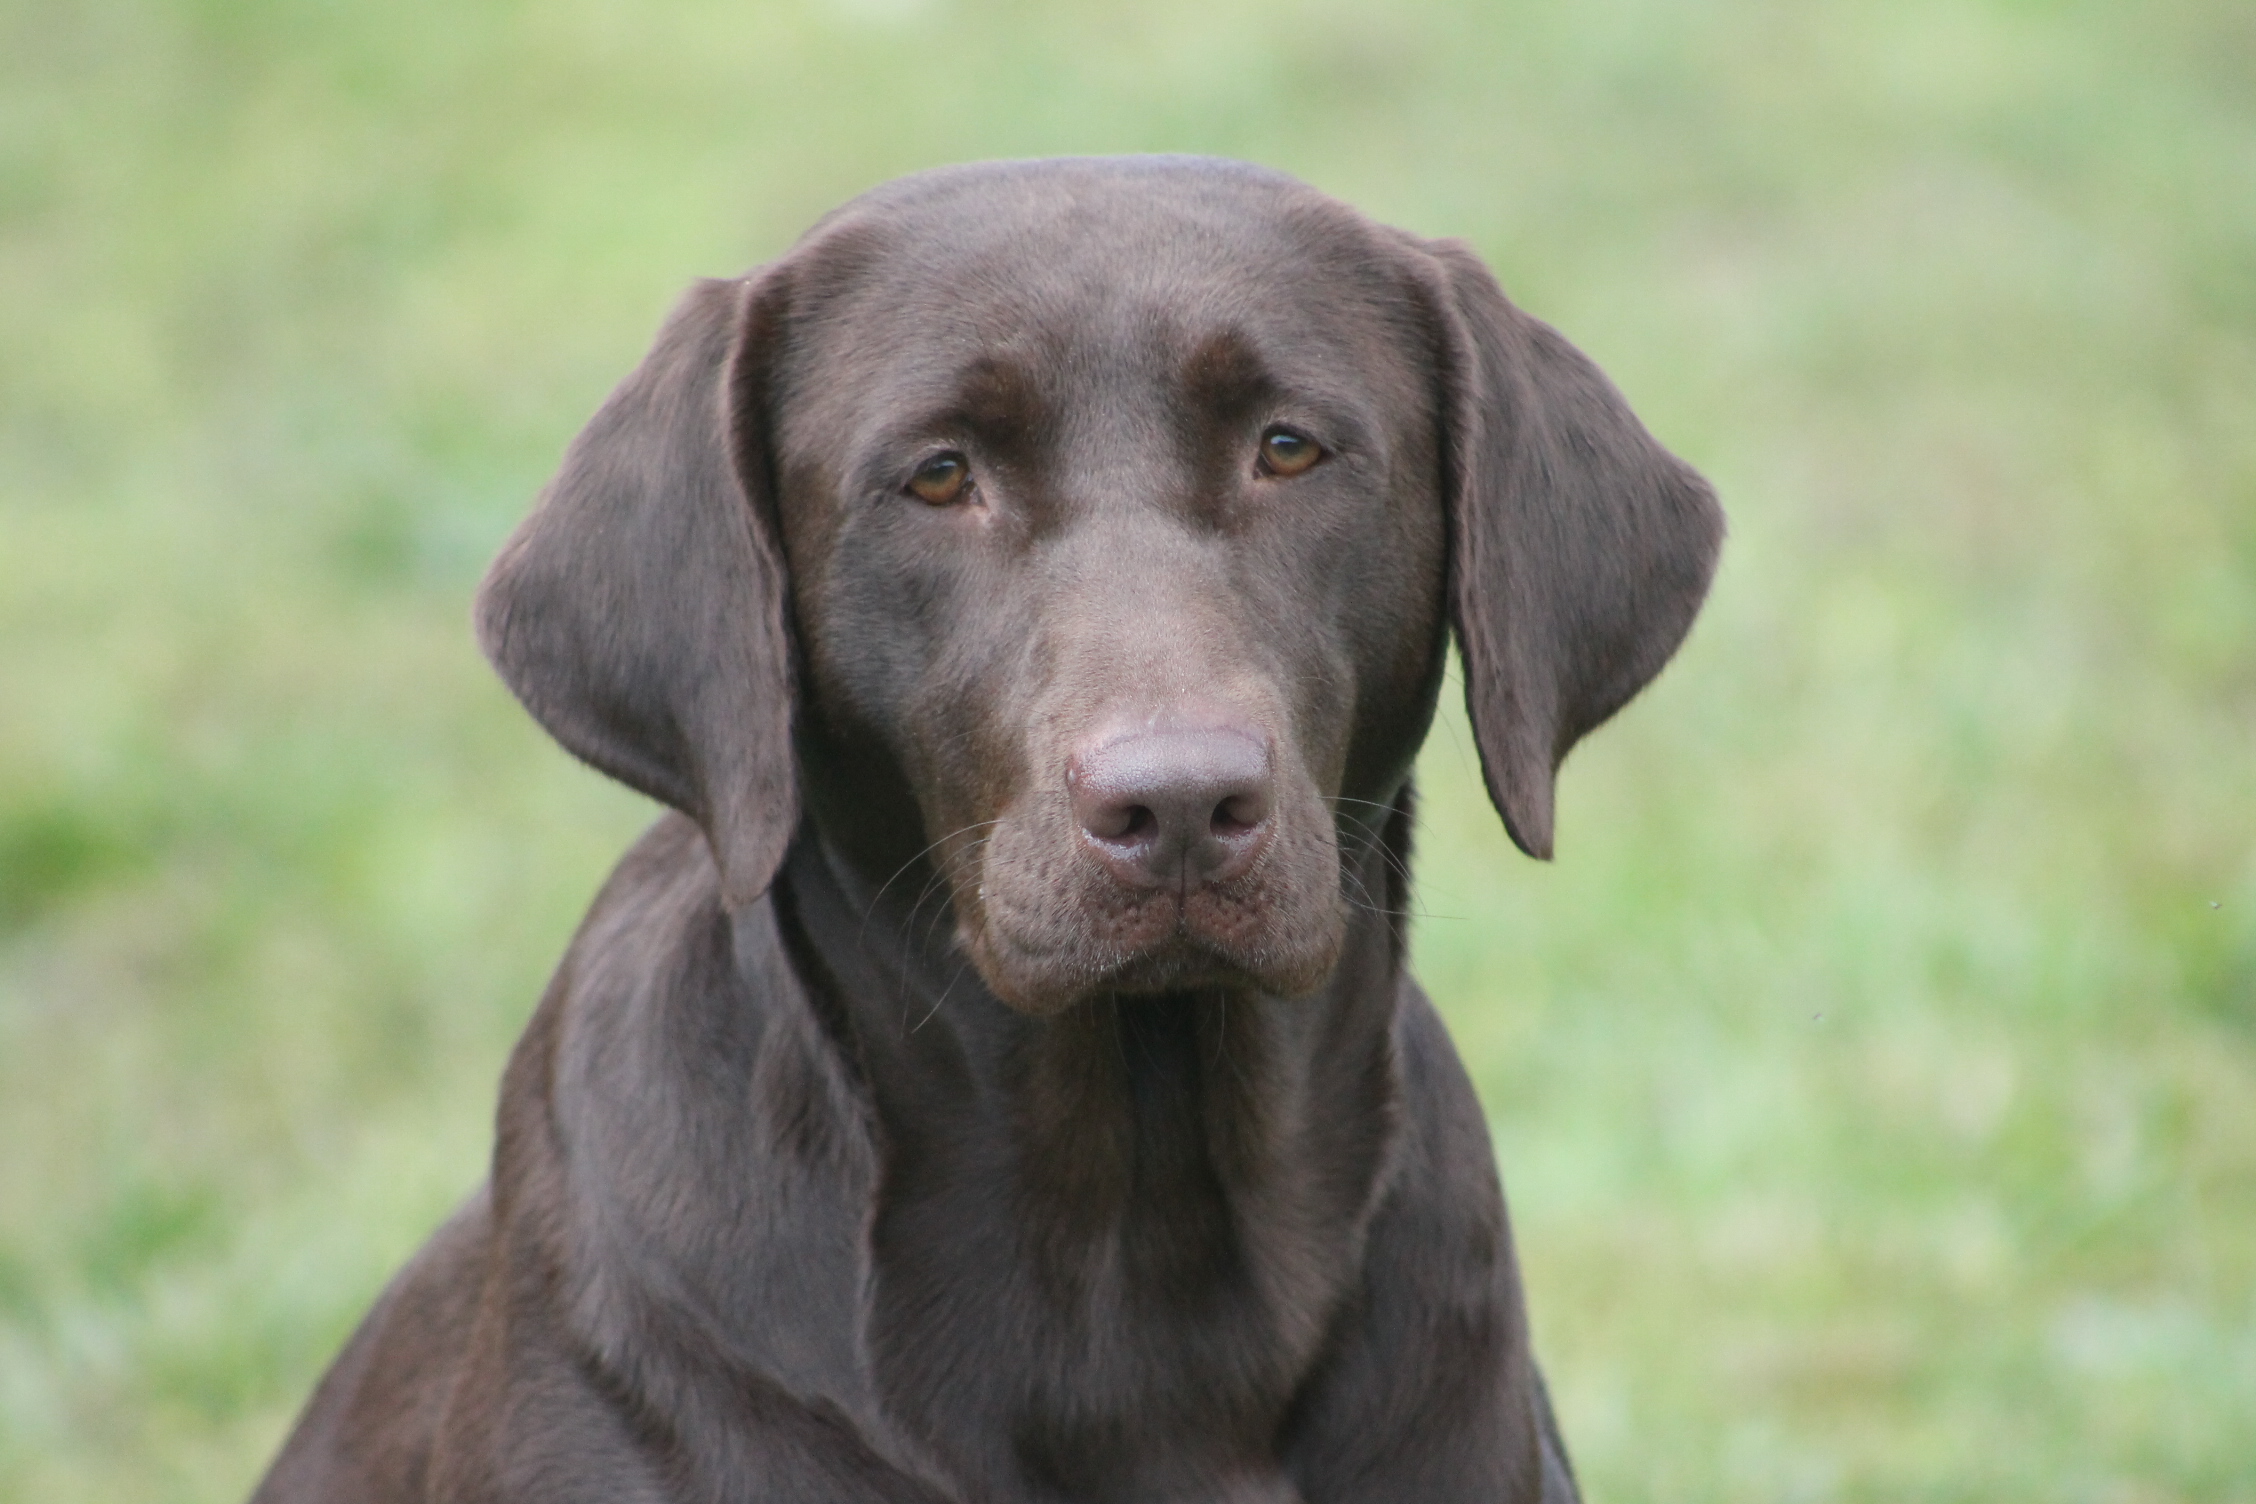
(1001, 1081)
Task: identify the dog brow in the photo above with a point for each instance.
(1225, 375)
(998, 401)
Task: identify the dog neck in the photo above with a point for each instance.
(1206, 1161)
(1116, 1096)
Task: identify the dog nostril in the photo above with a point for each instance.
(1119, 822)
(1236, 815)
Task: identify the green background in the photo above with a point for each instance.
(1875, 1070)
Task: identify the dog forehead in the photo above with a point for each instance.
(1016, 199)
(1078, 277)
(1074, 239)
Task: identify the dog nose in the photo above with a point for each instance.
(1174, 808)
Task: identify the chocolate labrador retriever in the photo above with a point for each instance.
(1000, 1079)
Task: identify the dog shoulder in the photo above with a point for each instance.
(1445, 1182)
(1428, 1393)
(368, 1432)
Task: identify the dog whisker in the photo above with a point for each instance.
(879, 895)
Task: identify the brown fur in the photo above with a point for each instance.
(881, 1137)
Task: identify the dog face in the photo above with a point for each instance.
(1091, 531)
(1116, 541)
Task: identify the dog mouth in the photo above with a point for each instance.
(1043, 947)
(1181, 963)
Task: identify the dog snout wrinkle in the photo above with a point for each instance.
(1178, 809)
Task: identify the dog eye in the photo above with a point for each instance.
(1286, 453)
(940, 479)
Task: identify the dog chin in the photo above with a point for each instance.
(1192, 967)
(1045, 984)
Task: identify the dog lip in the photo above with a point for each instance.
(1182, 962)
(1176, 955)
(1169, 969)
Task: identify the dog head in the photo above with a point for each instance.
(1088, 533)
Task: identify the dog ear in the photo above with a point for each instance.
(1580, 549)
(639, 612)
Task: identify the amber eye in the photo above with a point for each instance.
(940, 479)
(1284, 452)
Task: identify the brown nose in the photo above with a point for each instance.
(1174, 808)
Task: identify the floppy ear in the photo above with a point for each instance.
(1580, 548)
(639, 612)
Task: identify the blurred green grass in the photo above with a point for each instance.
(1874, 1073)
